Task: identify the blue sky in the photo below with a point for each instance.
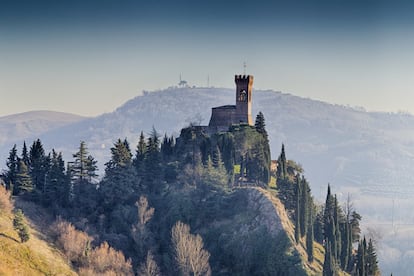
(88, 57)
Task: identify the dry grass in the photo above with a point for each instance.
(35, 257)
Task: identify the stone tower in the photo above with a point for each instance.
(222, 117)
(244, 85)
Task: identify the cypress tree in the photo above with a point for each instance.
(225, 143)
(346, 246)
(304, 206)
(361, 259)
(298, 225)
(309, 236)
(282, 164)
(371, 259)
(337, 231)
(318, 227)
(328, 212)
(328, 264)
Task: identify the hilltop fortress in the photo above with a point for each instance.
(222, 117)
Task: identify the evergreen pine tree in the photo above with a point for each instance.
(25, 155)
(84, 166)
(83, 188)
(118, 183)
(20, 226)
(68, 192)
(260, 124)
(152, 164)
(12, 164)
(355, 229)
(91, 168)
(167, 148)
(39, 165)
(140, 156)
(23, 180)
(55, 181)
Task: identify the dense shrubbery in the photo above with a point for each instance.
(101, 260)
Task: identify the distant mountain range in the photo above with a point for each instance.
(368, 155)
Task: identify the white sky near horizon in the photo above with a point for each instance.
(89, 67)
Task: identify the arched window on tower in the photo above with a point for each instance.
(243, 96)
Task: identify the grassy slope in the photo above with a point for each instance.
(35, 257)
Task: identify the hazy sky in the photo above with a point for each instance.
(88, 57)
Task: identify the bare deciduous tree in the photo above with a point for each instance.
(74, 243)
(144, 212)
(6, 204)
(149, 267)
(104, 259)
(190, 255)
(139, 232)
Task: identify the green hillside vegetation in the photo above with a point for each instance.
(200, 204)
(34, 257)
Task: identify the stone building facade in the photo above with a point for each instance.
(223, 117)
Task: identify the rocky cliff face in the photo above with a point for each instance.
(271, 215)
(267, 215)
(252, 235)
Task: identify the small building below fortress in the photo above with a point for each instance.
(222, 117)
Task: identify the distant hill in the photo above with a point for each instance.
(30, 124)
(369, 155)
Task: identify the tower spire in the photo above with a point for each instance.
(244, 68)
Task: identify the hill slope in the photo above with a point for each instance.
(366, 154)
(35, 257)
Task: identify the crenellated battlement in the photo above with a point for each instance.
(243, 78)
